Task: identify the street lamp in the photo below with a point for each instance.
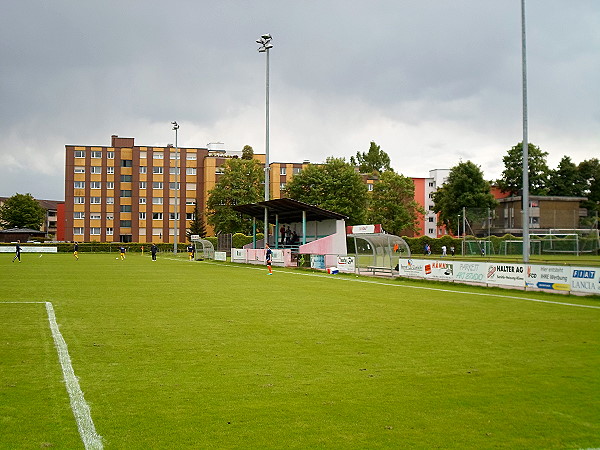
(265, 46)
(175, 221)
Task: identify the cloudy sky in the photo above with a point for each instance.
(433, 82)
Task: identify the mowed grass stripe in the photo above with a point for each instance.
(180, 354)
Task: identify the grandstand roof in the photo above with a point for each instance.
(288, 210)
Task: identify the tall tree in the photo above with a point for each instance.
(512, 176)
(197, 224)
(22, 211)
(465, 187)
(247, 152)
(566, 180)
(393, 205)
(334, 185)
(589, 171)
(242, 182)
(374, 161)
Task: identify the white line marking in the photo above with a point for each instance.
(330, 277)
(80, 408)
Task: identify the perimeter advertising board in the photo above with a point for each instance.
(411, 267)
(439, 270)
(585, 279)
(317, 261)
(238, 254)
(346, 263)
(550, 278)
(506, 274)
(470, 272)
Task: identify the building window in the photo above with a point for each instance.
(191, 156)
(94, 216)
(175, 155)
(157, 170)
(282, 186)
(431, 231)
(142, 216)
(96, 154)
(125, 223)
(110, 170)
(79, 185)
(370, 187)
(174, 171)
(109, 231)
(79, 169)
(78, 230)
(110, 185)
(95, 185)
(219, 171)
(110, 200)
(142, 200)
(125, 193)
(297, 170)
(110, 216)
(156, 231)
(282, 171)
(95, 200)
(126, 178)
(431, 219)
(96, 169)
(110, 155)
(125, 208)
(80, 154)
(157, 216)
(172, 216)
(79, 200)
(431, 184)
(157, 200)
(142, 231)
(190, 186)
(143, 169)
(190, 201)
(189, 216)
(126, 163)
(174, 185)
(157, 155)
(157, 185)
(143, 154)
(190, 171)
(95, 231)
(142, 185)
(78, 215)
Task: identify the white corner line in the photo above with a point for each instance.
(81, 410)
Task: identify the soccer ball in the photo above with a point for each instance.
(117, 257)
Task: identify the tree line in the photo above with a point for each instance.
(338, 185)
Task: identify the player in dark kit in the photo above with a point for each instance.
(269, 258)
(154, 249)
(17, 252)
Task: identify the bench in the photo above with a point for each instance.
(375, 269)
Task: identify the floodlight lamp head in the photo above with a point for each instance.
(175, 125)
(268, 46)
(266, 37)
(262, 49)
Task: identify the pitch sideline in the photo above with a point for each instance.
(482, 294)
(81, 410)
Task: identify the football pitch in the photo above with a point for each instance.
(180, 354)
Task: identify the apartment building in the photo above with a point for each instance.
(424, 189)
(129, 193)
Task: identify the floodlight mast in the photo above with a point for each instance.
(265, 46)
(525, 193)
(175, 221)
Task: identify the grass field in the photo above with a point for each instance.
(178, 354)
